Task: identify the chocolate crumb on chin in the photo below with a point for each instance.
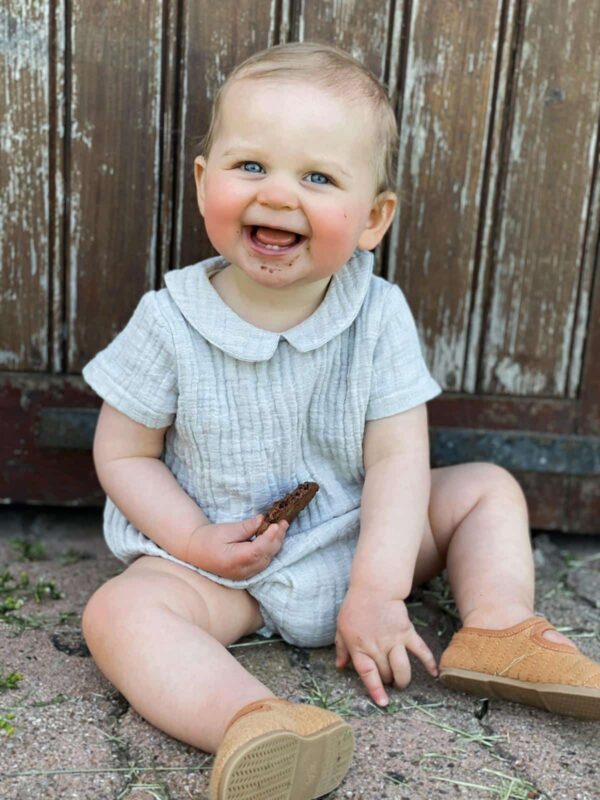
(290, 506)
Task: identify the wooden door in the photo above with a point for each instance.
(495, 243)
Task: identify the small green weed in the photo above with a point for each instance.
(14, 592)
(46, 589)
(316, 696)
(572, 564)
(67, 616)
(72, 556)
(394, 708)
(578, 633)
(6, 729)
(438, 589)
(255, 642)
(57, 700)
(22, 622)
(8, 582)
(510, 787)
(158, 791)
(478, 737)
(28, 550)
(132, 771)
(9, 604)
(10, 681)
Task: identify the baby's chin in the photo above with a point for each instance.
(302, 287)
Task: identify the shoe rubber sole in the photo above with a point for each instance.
(576, 701)
(281, 765)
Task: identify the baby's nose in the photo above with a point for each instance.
(276, 193)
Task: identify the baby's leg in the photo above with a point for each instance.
(158, 633)
(479, 530)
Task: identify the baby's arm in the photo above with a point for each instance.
(373, 626)
(127, 461)
(128, 465)
(394, 502)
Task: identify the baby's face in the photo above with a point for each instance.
(289, 157)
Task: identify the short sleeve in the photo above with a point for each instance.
(400, 378)
(136, 373)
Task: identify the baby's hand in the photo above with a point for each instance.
(225, 548)
(374, 632)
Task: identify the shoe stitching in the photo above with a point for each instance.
(502, 633)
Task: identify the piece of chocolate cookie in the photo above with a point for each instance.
(289, 506)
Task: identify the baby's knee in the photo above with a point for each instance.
(494, 480)
(105, 607)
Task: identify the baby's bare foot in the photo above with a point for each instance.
(555, 636)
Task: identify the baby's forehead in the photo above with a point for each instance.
(286, 86)
(254, 104)
(292, 120)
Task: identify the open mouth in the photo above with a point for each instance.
(271, 249)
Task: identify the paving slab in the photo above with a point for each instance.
(66, 732)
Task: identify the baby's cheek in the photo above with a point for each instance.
(216, 221)
(336, 231)
(219, 214)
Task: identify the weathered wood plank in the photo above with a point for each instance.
(216, 36)
(361, 27)
(544, 206)
(589, 404)
(170, 133)
(582, 509)
(490, 189)
(584, 379)
(24, 185)
(58, 198)
(33, 474)
(444, 123)
(502, 413)
(114, 168)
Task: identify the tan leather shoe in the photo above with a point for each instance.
(520, 665)
(277, 750)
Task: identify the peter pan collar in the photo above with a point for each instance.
(205, 310)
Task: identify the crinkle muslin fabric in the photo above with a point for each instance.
(253, 413)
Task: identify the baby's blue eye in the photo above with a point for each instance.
(244, 164)
(320, 175)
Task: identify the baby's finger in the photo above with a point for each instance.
(245, 530)
(275, 534)
(269, 543)
(342, 656)
(417, 646)
(369, 675)
(400, 665)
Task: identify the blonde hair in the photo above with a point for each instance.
(329, 68)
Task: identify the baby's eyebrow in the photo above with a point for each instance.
(234, 150)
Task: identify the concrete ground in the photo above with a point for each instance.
(65, 732)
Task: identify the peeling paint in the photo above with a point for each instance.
(545, 208)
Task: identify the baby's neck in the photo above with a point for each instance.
(271, 309)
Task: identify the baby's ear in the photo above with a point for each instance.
(199, 172)
(380, 219)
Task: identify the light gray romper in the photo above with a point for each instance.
(253, 413)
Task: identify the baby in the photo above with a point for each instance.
(283, 360)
